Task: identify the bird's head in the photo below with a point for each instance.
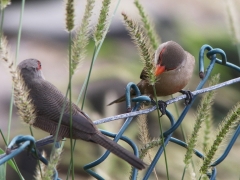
(30, 68)
(168, 56)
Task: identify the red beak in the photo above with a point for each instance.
(159, 70)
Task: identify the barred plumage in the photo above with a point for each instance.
(48, 102)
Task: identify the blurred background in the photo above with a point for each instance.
(190, 23)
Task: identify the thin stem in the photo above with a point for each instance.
(70, 102)
(19, 31)
(238, 50)
(5, 142)
(16, 57)
(82, 90)
(184, 138)
(88, 77)
(184, 171)
(161, 131)
(2, 20)
(38, 162)
(10, 116)
(151, 32)
(97, 49)
(181, 126)
(95, 54)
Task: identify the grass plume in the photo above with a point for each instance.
(225, 129)
(154, 39)
(144, 135)
(102, 22)
(4, 49)
(81, 38)
(4, 4)
(40, 170)
(148, 146)
(48, 171)
(203, 114)
(70, 15)
(208, 116)
(142, 43)
(26, 109)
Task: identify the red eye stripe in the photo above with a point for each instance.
(39, 65)
(160, 56)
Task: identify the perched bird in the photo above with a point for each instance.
(173, 70)
(48, 102)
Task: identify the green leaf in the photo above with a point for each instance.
(2, 168)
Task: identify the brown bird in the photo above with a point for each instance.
(173, 70)
(48, 102)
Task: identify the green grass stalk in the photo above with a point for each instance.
(95, 54)
(154, 39)
(161, 131)
(70, 102)
(16, 58)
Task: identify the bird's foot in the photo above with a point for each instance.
(189, 97)
(162, 105)
(129, 109)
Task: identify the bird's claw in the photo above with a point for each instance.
(162, 105)
(189, 97)
(129, 109)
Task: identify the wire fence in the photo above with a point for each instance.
(21, 143)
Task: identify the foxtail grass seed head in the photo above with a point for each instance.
(22, 101)
(53, 162)
(4, 49)
(102, 22)
(208, 116)
(4, 4)
(40, 171)
(48, 171)
(154, 39)
(24, 104)
(203, 113)
(70, 15)
(227, 126)
(81, 38)
(148, 146)
(142, 43)
(143, 129)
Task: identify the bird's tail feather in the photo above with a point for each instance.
(118, 151)
(121, 99)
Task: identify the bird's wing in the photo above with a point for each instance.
(51, 104)
(79, 122)
(144, 74)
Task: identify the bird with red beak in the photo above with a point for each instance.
(49, 101)
(173, 70)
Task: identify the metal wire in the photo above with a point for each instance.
(21, 143)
